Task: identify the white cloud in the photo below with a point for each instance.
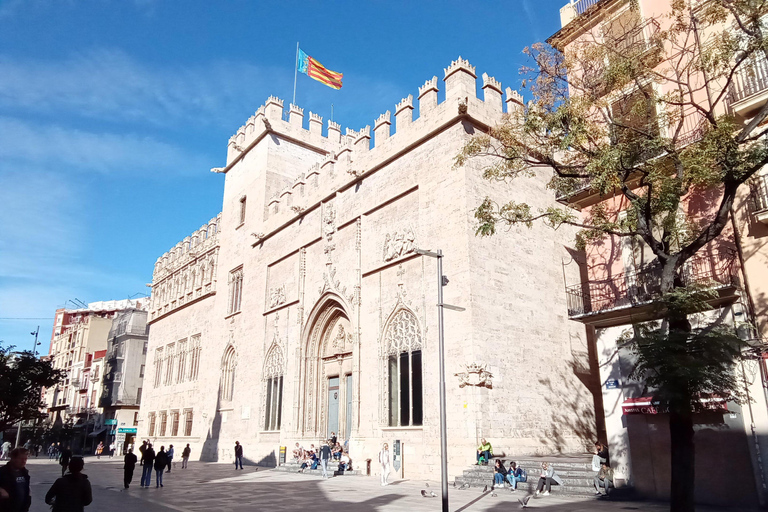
(111, 85)
(68, 149)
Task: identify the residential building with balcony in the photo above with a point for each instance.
(123, 377)
(620, 279)
(79, 347)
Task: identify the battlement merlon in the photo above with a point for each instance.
(492, 92)
(381, 128)
(460, 80)
(295, 115)
(315, 124)
(514, 101)
(428, 96)
(206, 237)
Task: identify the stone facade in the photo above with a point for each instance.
(319, 301)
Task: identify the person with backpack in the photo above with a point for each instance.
(147, 460)
(515, 474)
(161, 461)
(185, 456)
(72, 492)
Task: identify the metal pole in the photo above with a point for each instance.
(441, 358)
(295, 73)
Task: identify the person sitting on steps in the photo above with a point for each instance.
(604, 479)
(514, 475)
(484, 452)
(499, 474)
(547, 478)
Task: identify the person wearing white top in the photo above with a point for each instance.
(384, 459)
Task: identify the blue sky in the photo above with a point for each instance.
(112, 113)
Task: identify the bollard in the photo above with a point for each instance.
(367, 467)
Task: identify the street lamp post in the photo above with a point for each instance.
(34, 354)
(441, 281)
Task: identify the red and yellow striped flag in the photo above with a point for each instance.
(313, 69)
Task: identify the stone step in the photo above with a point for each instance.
(571, 482)
(529, 487)
(333, 468)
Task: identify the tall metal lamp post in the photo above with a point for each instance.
(34, 354)
(441, 281)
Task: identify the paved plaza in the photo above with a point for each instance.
(217, 487)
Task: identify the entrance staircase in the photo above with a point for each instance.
(292, 466)
(577, 475)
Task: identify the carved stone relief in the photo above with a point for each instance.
(276, 296)
(399, 243)
(475, 375)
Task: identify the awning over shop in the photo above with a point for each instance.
(650, 405)
(97, 432)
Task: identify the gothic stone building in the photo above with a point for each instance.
(303, 309)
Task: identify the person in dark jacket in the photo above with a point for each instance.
(147, 459)
(185, 456)
(14, 483)
(238, 454)
(161, 461)
(64, 458)
(169, 453)
(72, 492)
(128, 467)
(499, 474)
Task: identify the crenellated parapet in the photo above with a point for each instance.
(352, 157)
(187, 271)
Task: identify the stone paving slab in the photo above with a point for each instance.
(218, 487)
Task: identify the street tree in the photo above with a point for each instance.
(22, 379)
(639, 113)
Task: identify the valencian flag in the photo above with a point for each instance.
(314, 69)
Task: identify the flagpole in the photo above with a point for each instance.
(295, 73)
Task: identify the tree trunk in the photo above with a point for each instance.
(682, 457)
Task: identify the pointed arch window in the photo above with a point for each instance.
(402, 340)
(228, 363)
(274, 368)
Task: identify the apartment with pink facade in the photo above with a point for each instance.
(619, 280)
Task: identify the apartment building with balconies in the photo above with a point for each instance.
(620, 278)
(79, 347)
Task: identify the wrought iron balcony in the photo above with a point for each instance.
(750, 80)
(610, 297)
(759, 198)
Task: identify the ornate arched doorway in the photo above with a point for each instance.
(327, 386)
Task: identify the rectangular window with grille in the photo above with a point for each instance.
(235, 290)
(151, 430)
(188, 422)
(163, 423)
(175, 423)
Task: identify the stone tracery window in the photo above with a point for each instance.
(402, 340)
(228, 364)
(274, 368)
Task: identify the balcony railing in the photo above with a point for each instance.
(626, 290)
(759, 194)
(582, 5)
(638, 38)
(751, 79)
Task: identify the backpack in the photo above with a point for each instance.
(523, 475)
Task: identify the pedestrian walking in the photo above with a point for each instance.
(99, 449)
(130, 464)
(14, 483)
(111, 450)
(6, 450)
(169, 453)
(385, 458)
(72, 492)
(325, 456)
(161, 461)
(185, 456)
(64, 458)
(238, 455)
(147, 460)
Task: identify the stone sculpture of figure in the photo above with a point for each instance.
(397, 244)
(409, 245)
(389, 250)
